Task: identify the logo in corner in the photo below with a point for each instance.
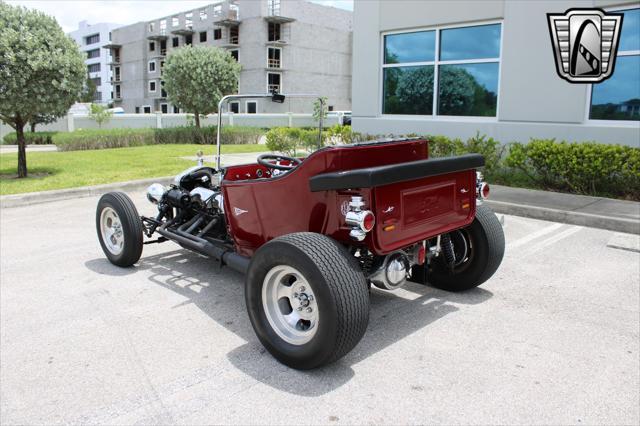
(238, 211)
(585, 43)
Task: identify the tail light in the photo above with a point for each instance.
(361, 221)
(484, 190)
(482, 187)
(365, 220)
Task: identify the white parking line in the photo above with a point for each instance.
(552, 240)
(539, 233)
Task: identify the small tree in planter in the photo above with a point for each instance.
(196, 78)
(100, 114)
(41, 74)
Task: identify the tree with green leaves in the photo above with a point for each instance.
(320, 108)
(41, 71)
(100, 114)
(196, 78)
(89, 89)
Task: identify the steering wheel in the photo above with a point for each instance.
(267, 160)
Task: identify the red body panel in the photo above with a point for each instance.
(260, 209)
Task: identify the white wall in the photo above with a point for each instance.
(532, 100)
(136, 121)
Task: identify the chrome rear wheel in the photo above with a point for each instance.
(290, 305)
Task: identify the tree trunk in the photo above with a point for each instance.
(22, 151)
(33, 127)
(197, 117)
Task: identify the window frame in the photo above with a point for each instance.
(143, 107)
(281, 66)
(155, 86)
(155, 67)
(206, 36)
(166, 105)
(281, 81)
(436, 63)
(587, 114)
(237, 52)
(217, 31)
(236, 103)
(246, 107)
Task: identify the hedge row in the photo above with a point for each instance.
(588, 168)
(32, 138)
(122, 138)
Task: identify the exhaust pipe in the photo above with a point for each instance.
(231, 259)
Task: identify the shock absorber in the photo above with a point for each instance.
(447, 251)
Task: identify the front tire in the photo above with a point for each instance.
(308, 300)
(479, 249)
(119, 229)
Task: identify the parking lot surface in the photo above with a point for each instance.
(552, 338)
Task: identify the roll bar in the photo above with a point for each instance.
(275, 97)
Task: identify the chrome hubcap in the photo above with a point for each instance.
(111, 229)
(290, 305)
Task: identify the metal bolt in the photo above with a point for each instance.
(309, 310)
(310, 297)
(302, 289)
(299, 308)
(295, 295)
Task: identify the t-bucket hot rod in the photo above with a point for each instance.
(313, 234)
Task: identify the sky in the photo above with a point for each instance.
(69, 12)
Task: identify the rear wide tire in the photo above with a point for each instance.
(487, 247)
(340, 295)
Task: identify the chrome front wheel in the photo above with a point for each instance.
(111, 228)
(119, 229)
(290, 305)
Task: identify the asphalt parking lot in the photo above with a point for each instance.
(552, 338)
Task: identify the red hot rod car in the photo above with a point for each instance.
(313, 234)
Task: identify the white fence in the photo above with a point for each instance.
(71, 123)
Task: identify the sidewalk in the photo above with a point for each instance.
(596, 212)
(7, 149)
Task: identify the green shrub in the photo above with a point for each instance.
(185, 135)
(122, 138)
(103, 139)
(344, 134)
(491, 149)
(32, 138)
(584, 168)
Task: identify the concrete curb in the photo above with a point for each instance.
(18, 200)
(629, 226)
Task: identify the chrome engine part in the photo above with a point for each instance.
(391, 273)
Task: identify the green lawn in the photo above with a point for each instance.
(57, 170)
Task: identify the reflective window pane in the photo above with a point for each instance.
(618, 98)
(479, 42)
(468, 90)
(409, 47)
(408, 90)
(630, 35)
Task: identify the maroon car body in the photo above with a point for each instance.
(412, 210)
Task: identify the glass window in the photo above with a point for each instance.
(408, 90)
(463, 81)
(470, 43)
(630, 36)
(618, 97)
(234, 107)
(252, 107)
(468, 89)
(203, 36)
(409, 47)
(217, 33)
